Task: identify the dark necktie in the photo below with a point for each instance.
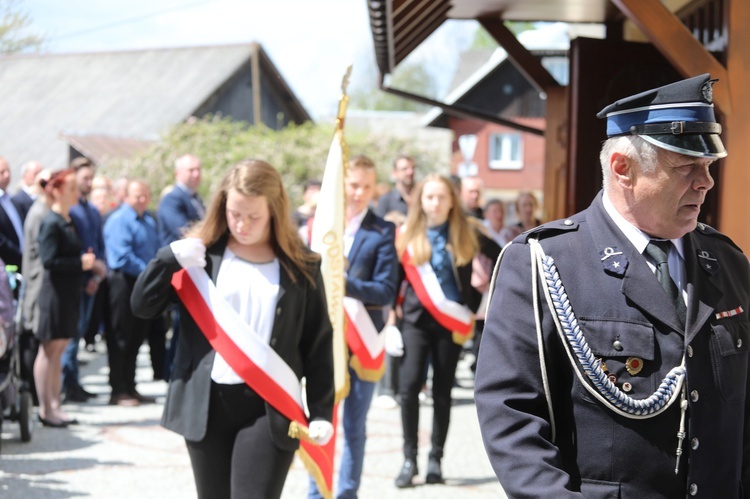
(659, 253)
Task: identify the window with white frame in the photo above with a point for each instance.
(506, 151)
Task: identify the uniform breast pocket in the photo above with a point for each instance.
(729, 347)
(626, 353)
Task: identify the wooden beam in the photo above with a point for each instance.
(673, 39)
(556, 156)
(461, 112)
(734, 174)
(525, 61)
(255, 79)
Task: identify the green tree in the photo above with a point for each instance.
(15, 35)
(298, 151)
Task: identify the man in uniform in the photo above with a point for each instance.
(614, 361)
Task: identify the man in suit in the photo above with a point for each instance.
(179, 208)
(88, 225)
(622, 369)
(11, 224)
(182, 205)
(371, 275)
(26, 195)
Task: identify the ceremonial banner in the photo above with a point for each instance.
(328, 239)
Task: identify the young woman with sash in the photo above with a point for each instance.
(436, 247)
(253, 322)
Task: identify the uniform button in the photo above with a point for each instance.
(617, 345)
(273, 341)
(690, 350)
(694, 395)
(694, 443)
(278, 310)
(739, 343)
(568, 222)
(693, 489)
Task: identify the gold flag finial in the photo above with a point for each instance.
(344, 100)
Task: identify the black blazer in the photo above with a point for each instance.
(10, 246)
(302, 336)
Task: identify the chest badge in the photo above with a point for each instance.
(634, 365)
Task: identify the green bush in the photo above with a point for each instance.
(299, 152)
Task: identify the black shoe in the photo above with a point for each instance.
(143, 399)
(74, 395)
(434, 473)
(53, 424)
(86, 392)
(407, 474)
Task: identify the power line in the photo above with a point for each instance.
(131, 20)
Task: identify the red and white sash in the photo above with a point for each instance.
(251, 358)
(366, 345)
(453, 316)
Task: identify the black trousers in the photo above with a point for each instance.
(426, 339)
(237, 458)
(126, 335)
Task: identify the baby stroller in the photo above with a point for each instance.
(16, 401)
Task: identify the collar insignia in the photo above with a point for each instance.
(708, 261)
(614, 261)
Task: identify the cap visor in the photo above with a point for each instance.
(707, 145)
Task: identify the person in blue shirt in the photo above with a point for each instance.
(88, 224)
(131, 238)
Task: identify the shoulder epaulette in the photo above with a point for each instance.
(707, 230)
(551, 229)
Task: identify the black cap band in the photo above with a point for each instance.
(676, 128)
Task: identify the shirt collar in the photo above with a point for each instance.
(355, 223)
(636, 236)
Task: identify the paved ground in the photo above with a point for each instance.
(119, 452)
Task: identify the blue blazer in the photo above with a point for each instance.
(372, 269)
(23, 203)
(176, 211)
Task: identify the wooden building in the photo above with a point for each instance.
(648, 43)
(54, 107)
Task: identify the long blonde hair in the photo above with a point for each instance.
(462, 240)
(254, 177)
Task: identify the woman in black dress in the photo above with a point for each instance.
(59, 297)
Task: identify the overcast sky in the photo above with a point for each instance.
(311, 42)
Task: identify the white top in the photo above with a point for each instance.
(676, 259)
(351, 230)
(252, 290)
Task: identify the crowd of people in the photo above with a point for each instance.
(80, 240)
(578, 373)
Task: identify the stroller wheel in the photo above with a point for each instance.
(24, 416)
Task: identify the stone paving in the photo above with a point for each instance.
(122, 452)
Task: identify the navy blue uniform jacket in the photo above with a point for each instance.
(597, 453)
(301, 335)
(373, 267)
